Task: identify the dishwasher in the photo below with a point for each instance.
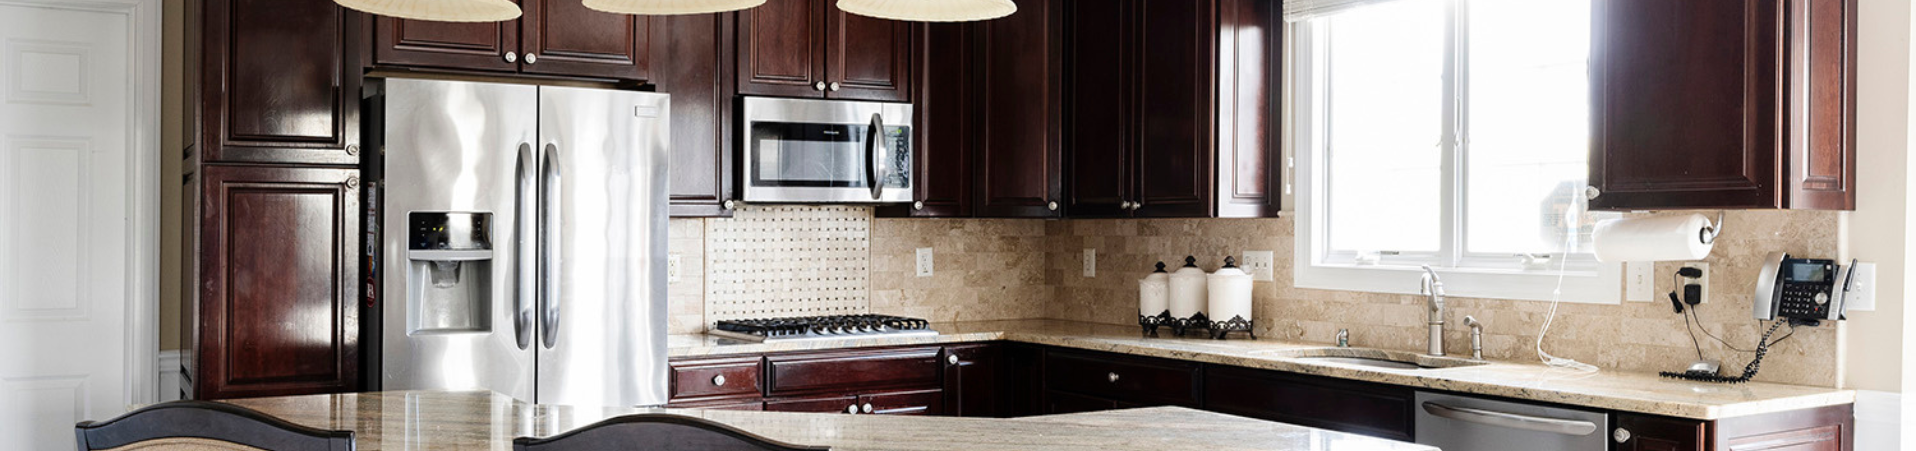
(1461, 423)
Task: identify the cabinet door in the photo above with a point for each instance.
(921, 402)
(1339, 405)
(1822, 104)
(823, 404)
(781, 49)
(943, 105)
(1648, 433)
(693, 48)
(279, 278)
(1249, 167)
(563, 37)
(868, 58)
(471, 46)
(276, 83)
(973, 375)
(1685, 112)
(1019, 164)
(1057, 402)
(1176, 79)
(1100, 136)
(1023, 381)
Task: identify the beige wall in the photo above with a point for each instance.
(1878, 229)
(171, 142)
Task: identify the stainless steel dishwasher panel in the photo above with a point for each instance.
(1462, 423)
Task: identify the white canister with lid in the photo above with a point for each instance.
(1188, 290)
(1229, 291)
(1154, 293)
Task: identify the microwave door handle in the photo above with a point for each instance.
(873, 137)
(524, 263)
(549, 202)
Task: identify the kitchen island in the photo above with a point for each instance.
(480, 420)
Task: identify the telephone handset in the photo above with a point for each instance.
(1801, 288)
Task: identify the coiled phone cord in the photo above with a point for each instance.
(1749, 371)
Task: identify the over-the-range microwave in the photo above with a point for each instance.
(825, 151)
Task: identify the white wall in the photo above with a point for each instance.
(1876, 360)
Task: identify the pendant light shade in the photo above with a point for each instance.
(438, 10)
(670, 7)
(930, 10)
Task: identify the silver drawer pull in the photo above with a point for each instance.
(718, 380)
(868, 408)
(852, 409)
(1113, 377)
(1511, 420)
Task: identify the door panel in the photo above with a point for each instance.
(480, 46)
(694, 49)
(1249, 63)
(279, 311)
(1176, 90)
(1101, 139)
(781, 50)
(870, 58)
(277, 83)
(943, 105)
(572, 40)
(1648, 433)
(974, 381)
(1020, 156)
(68, 211)
(602, 189)
(1823, 109)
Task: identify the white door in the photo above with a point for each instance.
(68, 257)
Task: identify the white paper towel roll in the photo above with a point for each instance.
(1657, 238)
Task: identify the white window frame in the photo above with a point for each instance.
(1465, 274)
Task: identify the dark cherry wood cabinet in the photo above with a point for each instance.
(1364, 408)
(272, 83)
(809, 48)
(695, 70)
(277, 305)
(1172, 108)
(884, 381)
(1017, 171)
(1124, 379)
(1652, 433)
(974, 377)
(560, 38)
(1830, 428)
(1724, 104)
(943, 104)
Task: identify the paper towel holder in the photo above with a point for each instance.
(1708, 234)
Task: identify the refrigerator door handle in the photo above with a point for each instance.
(549, 202)
(525, 273)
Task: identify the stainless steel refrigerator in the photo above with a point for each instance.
(523, 240)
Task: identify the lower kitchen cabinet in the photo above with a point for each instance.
(1653, 433)
(1124, 379)
(1830, 428)
(974, 376)
(1060, 402)
(1339, 405)
(819, 404)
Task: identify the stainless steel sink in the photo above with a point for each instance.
(1374, 358)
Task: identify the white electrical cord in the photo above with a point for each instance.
(1556, 295)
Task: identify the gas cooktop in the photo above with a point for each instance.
(772, 330)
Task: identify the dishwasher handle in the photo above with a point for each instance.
(1511, 420)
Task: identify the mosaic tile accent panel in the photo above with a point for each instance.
(782, 261)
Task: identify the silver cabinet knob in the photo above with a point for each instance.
(952, 359)
(820, 86)
(919, 205)
(868, 408)
(1113, 377)
(1136, 205)
(1621, 435)
(512, 57)
(532, 58)
(1591, 193)
(834, 86)
(352, 149)
(718, 380)
(852, 409)
(1052, 205)
(729, 205)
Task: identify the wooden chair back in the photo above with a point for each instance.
(205, 426)
(657, 432)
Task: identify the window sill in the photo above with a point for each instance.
(1604, 285)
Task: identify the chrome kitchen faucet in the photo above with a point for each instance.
(1433, 286)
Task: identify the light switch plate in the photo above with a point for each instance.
(1090, 263)
(1862, 289)
(924, 262)
(1642, 284)
(674, 267)
(1259, 264)
(1705, 280)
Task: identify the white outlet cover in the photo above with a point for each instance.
(1090, 262)
(1862, 289)
(1260, 264)
(1640, 280)
(1705, 280)
(674, 267)
(924, 262)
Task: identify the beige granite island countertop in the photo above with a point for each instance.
(1613, 390)
(439, 420)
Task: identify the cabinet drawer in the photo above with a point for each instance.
(922, 402)
(854, 370)
(829, 404)
(752, 404)
(1057, 402)
(717, 377)
(1130, 379)
(1346, 406)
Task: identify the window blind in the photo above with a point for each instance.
(1301, 10)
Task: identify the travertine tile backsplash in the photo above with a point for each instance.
(1019, 269)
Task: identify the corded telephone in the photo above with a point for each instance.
(1802, 289)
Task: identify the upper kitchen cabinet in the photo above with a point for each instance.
(1172, 108)
(1018, 156)
(560, 38)
(1724, 104)
(693, 48)
(809, 48)
(942, 103)
(272, 83)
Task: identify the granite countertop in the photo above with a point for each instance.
(1613, 390)
(481, 420)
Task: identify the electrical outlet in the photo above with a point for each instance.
(1641, 280)
(1259, 264)
(1704, 281)
(1862, 289)
(1090, 263)
(674, 267)
(924, 262)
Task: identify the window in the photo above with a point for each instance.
(1449, 133)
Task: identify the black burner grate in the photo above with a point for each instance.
(824, 325)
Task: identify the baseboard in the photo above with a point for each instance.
(171, 378)
(1879, 420)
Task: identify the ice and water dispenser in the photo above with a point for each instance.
(449, 272)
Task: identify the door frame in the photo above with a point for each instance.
(143, 190)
